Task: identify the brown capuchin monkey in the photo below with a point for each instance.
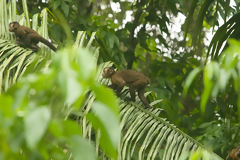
(234, 154)
(134, 80)
(27, 37)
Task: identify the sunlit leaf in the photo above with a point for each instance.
(108, 123)
(106, 96)
(208, 84)
(81, 149)
(35, 124)
(151, 44)
(190, 79)
(5, 106)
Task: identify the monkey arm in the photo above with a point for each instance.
(132, 93)
(116, 89)
(112, 86)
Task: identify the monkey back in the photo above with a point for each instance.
(130, 76)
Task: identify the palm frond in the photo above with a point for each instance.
(14, 60)
(228, 30)
(13, 63)
(145, 134)
(148, 136)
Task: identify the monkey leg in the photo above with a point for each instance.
(114, 87)
(132, 93)
(20, 43)
(137, 85)
(143, 98)
(34, 47)
(119, 83)
(31, 42)
(118, 90)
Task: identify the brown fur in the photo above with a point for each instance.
(134, 80)
(27, 37)
(234, 154)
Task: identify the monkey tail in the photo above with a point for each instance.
(46, 42)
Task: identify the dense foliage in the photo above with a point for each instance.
(186, 48)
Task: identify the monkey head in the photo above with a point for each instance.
(108, 72)
(13, 26)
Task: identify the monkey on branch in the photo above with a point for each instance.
(134, 80)
(27, 37)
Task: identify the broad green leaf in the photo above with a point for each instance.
(108, 123)
(56, 3)
(224, 77)
(65, 8)
(208, 84)
(56, 128)
(36, 123)
(20, 96)
(73, 91)
(106, 96)
(71, 128)
(190, 79)
(64, 128)
(5, 106)
(82, 149)
(87, 64)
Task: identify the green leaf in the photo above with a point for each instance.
(82, 149)
(20, 96)
(5, 106)
(111, 39)
(71, 128)
(196, 155)
(224, 77)
(208, 84)
(74, 90)
(111, 100)
(35, 124)
(108, 123)
(190, 79)
(56, 128)
(151, 44)
(56, 3)
(87, 65)
(65, 8)
(64, 128)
